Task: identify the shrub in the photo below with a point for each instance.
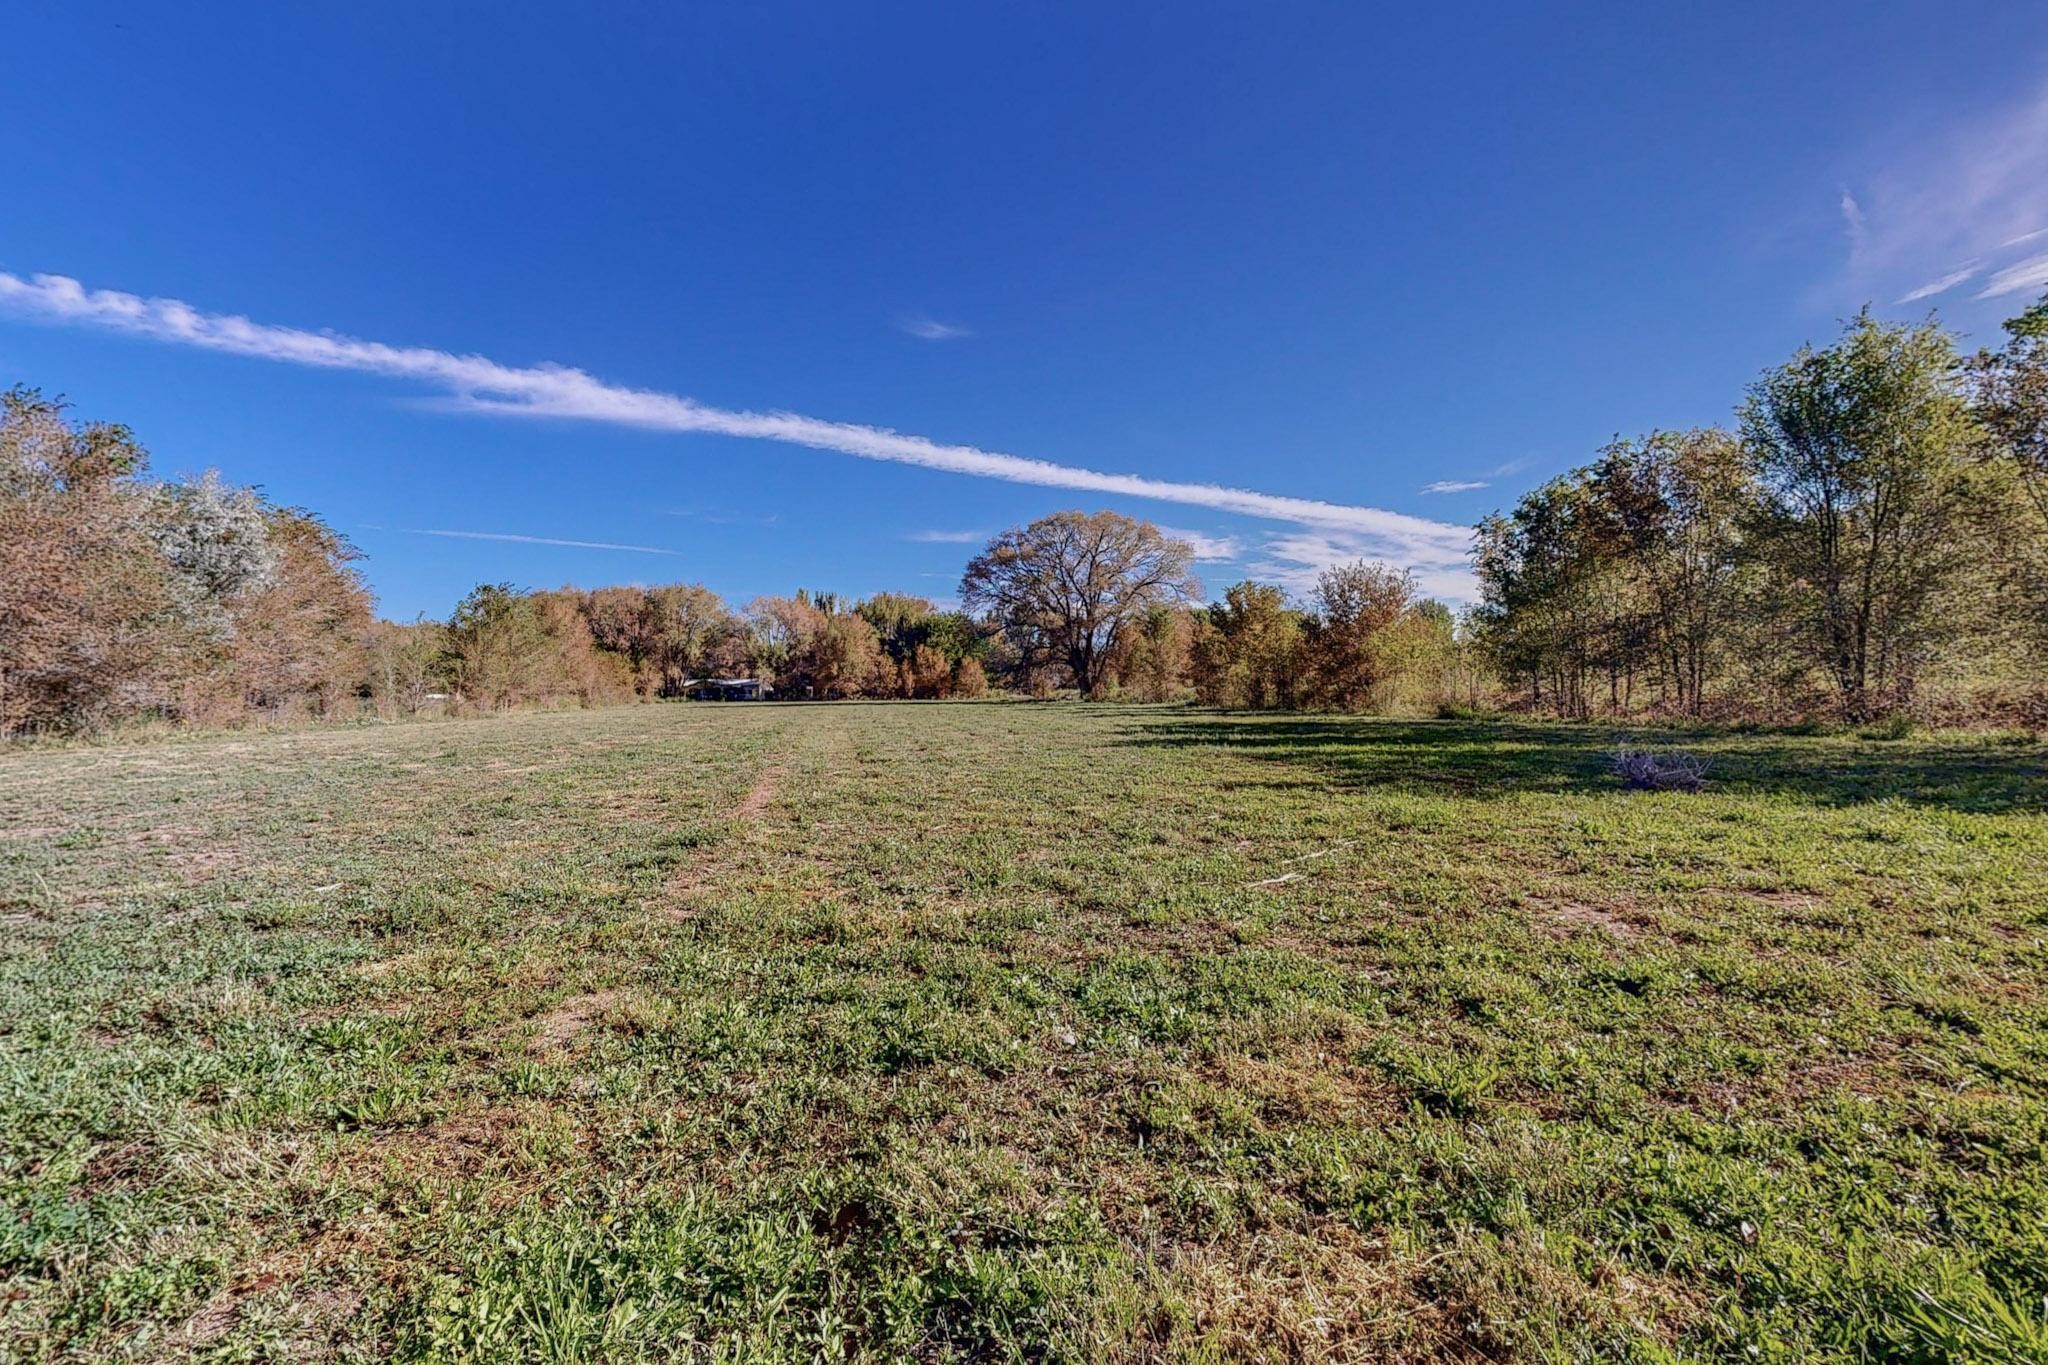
(969, 680)
(1669, 771)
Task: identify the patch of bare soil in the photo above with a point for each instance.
(560, 1025)
(161, 836)
(194, 854)
(756, 800)
(1565, 916)
(457, 1146)
(378, 967)
(1334, 1296)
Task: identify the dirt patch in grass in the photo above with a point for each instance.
(560, 1025)
(375, 969)
(1562, 916)
(161, 836)
(194, 854)
(1791, 900)
(309, 1320)
(203, 864)
(459, 1146)
(757, 798)
(1334, 1296)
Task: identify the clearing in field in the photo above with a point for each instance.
(1009, 1031)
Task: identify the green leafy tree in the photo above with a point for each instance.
(1549, 610)
(494, 639)
(406, 663)
(685, 623)
(1248, 649)
(1670, 509)
(1863, 452)
(2009, 388)
(901, 622)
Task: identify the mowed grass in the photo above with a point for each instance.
(984, 1032)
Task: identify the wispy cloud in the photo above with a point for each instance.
(931, 329)
(947, 537)
(536, 540)
(712, 516)
(1454, 485)
(1939, 286)
(1930, 211)
(2029, 274)
(1854, 223)
(1295, 560)
(475, 384)
(1209, 549)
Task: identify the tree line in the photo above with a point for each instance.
(505, 648)
(197, 602)
(1109, 606)
(1099, 604)
(1870, 540)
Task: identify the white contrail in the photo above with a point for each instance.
(478, 384)
(541, 540)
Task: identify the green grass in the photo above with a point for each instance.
(984, 1032)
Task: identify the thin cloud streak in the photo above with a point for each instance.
(1454, 486)
(1940, 286)
(476, 384)
(1855, 224)
(946, 537)
(2028, 274)
(1948, 203)
(931, 329)
(537, 540)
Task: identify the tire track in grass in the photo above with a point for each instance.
(682, 892)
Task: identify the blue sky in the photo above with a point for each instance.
(1326, 256)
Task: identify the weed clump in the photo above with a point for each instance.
(1896, 727)
(1650, 770)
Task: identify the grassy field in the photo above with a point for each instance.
(952, 1032)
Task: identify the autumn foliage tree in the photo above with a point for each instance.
(300, 634)
(1872, 539)
(1158, 652)
(85, 599)
(1070, 588)
(1355, 608)
(1248, 649)
(195, 601)
(809, 647)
